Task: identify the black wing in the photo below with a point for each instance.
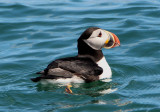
(83, 67)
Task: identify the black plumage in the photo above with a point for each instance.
(83, 65)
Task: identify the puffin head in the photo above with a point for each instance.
(98, 38)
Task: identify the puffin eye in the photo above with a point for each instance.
(100, 34)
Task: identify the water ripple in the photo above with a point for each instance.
(35, 33)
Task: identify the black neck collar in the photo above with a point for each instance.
(85, 50)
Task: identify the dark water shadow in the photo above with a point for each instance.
(93, 89)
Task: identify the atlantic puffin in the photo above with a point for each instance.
(88, 66)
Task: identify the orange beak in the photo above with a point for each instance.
(112, 41)
(116, 42)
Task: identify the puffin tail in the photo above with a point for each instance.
(41, 72)
(36, 79)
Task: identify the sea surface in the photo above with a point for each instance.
(35, 32)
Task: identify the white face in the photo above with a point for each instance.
(97, 39)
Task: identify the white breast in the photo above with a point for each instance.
(107, 73)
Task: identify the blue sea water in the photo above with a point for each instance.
(34, 33)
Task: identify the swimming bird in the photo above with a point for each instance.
(88, 66)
